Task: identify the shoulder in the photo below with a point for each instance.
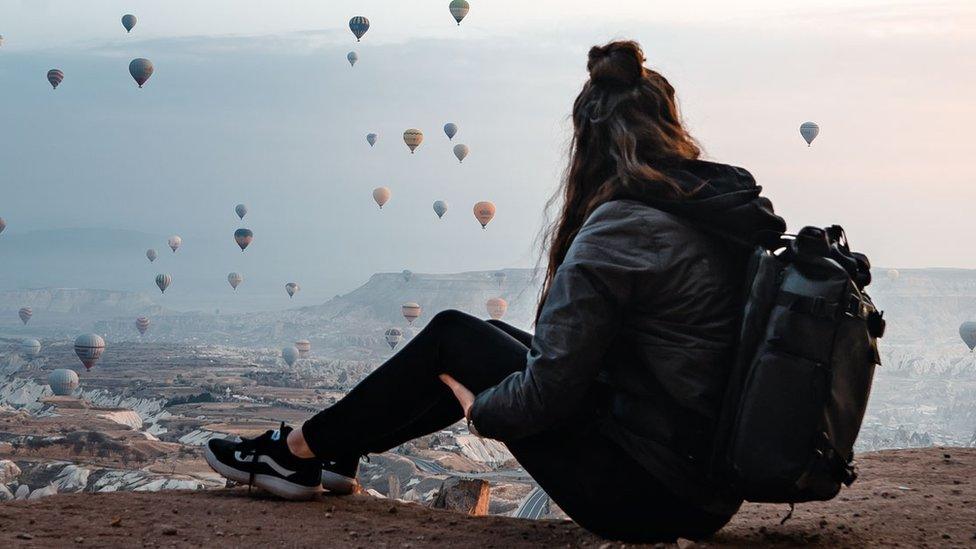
(627, 216)
(620, 232)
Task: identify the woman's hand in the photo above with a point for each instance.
(464, 396)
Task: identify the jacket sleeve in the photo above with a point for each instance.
(579, 320)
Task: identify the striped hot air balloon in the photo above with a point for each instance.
(25, 314)
(304, 347)
(809, 131)
(89, 348)
(243, 237)
(63, 382)
(484, 212)
(381, 195)
(411, 311)
(128, 21)
(413, 138)
(393, 337)
(440, 208)
(140, 69)
(151, 255)
(292, 288)
(359, 25)
(371, 138)
(55, 76)
(3, 224)
(163, 281)
(235, 280)
(30, 348)
(497, 307)
(352, 57)
(450, 129)
(459, 8)
(240, 210)
(142, 324)
(461, 151)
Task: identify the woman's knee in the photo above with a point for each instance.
(450, 317)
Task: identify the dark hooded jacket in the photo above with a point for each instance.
(641, 320)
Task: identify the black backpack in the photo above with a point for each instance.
(802, 374)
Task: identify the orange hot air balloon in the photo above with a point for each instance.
(497, 308)
(381, 195)
(484, 212)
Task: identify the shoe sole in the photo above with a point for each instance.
(338, 484)
(278, 486)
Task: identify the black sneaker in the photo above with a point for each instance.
(339, 476)
(267, 463)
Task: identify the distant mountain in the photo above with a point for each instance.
(63, 308)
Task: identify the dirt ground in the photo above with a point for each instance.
(905, 498)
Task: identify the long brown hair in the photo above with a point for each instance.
(626, 129)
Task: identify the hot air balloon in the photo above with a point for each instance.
(809, 131)
(499, 277)
(243, 237)
(30, 348)
(163, 281)
(3, 224)
(151, 255)
(304, 347)
(407, 274)
(175, 242)
(142, 324)
(1, 39)
(411, 311)
(440, 208)
(371, 138)
(140, 69)
(967, 331)
(459, 8)
(128, 21)
(893, 274)
(359, 25)
(89, 349)
(393, 337)
(63, 382)
(413, 138)
(55, 76)
(352, 57)
(292, 289)
(497, 307)
(25, 314)
(240, 210)
(290, 355)
(381, 195)
(235, 280)
(484, 212)
(461, 151)
(450, 129)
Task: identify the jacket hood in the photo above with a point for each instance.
(724, 200)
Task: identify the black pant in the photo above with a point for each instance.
(592, 479)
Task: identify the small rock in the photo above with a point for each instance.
(116, 522)
(24, 536)
(80, 539)
(167, 529)
(328, 515)
(606, 546)
(686, 544)
(393, 510)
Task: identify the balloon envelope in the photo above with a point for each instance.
(243, 237)
(174, 243)
(411, 311)
(3, 224)
(55, 76)
(290, 355)
(459, 8)
(128, 21)
(484, 212)
(352, 57)
(151, 255)
(235, 280)
(393, 337)
(381, 195)
(809, 131)
(163, 281)
(89, 348)
(63, 382)
(497, 307)
(893, 274)
(292, 288)
(142, 324)
(371, 138)
(407, 274)
(358, 25)
(140, 69)
(461, 151)
(25, 314)
(967, 331)
(240, 210)
(440, 208)
(30, 348)
(413, 138)
(450, 129)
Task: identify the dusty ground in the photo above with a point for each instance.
(906, 498)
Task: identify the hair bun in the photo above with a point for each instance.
(616, 64)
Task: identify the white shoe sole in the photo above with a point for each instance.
(338, 484)
(276, 485)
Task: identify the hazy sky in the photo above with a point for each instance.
(253, 101)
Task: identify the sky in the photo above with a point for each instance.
(254, 102)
